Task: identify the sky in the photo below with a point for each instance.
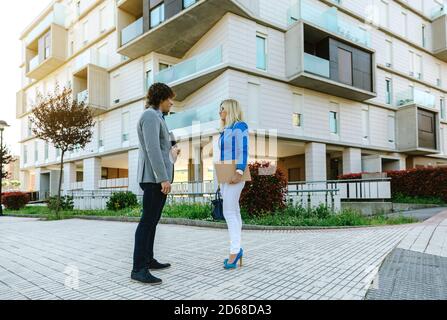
(14, 18)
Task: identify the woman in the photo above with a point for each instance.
(233, 145)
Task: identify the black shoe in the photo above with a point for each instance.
(155, 265)
(145, 277)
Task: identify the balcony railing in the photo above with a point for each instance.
(91, 57)
(58, 16)
(328, 20)
(416, 96)
(438, 11)
(191, 66)
(193, 116)
(83, 97)
(316, 65)
(114, 183)
(33, 63)
(132, 31)
(77, 185)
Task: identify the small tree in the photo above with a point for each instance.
(5, 158)
(64, 122)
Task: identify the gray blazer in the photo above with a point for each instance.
(154, 165)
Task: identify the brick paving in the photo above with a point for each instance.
(417, 268)
(79, 259)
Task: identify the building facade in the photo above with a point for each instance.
(328, 87)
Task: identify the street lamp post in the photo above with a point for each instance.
(3, 125)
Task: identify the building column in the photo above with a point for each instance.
(54, 182)
(133, 172)
(92, 173)
(315, 161)
(69, 175)
(352, 160)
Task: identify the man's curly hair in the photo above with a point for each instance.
(158, 93)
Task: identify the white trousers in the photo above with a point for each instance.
(231, 194)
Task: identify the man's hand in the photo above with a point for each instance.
(166, 187)
(236, 178)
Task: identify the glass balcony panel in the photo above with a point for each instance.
(199, 115)
(189, 67)
(328, 20)
(438, 11)
(83, 97)
(415, 96)
(33, 63)
(316, 65)
(132, 31)
(57, 16)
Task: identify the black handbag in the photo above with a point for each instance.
(217, 206)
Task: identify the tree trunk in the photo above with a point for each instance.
(61, 172)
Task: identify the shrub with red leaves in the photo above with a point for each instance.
(15, 200)
(425, 182)
(265, 193)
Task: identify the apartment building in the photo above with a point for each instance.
(328, 87)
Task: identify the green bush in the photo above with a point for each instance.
(401, 198)
(122, 200)
(66, 203)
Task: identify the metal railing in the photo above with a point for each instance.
(309, 199)
(114, 183)
(350, 190)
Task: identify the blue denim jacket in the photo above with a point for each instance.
(234, 144)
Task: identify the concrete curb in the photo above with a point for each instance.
(215, 225)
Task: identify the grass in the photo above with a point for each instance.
(400, 198)
(291, 216)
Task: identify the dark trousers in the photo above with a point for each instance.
(153, 202)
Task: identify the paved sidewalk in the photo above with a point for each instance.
(77, 259)
(417, 268)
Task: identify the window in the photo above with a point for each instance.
(365, 123)
(389, 94)
(297, 119)
(30, 128)
(78, 8)
(71, 47)
(405, 24)
(391, 129)
(85, 32)
(100, 133)
(36, 151)
(423, 36)
(261, 53)
(345, 66)
(125, 127)
(25, 154)
(297, 115)
(157, 15)
(188, 3)
(163, 66)
(442, 108)
(103, 57)
(389, 54)
(333, 124)
(439, 75)
(47, 45)
(58, 152)
(105, 18)
(384, 14)
(46, 153)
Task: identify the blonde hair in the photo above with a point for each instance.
(234, 113)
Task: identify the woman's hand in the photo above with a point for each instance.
(236, 178)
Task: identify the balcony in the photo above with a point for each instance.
(328, 20)
(188, 76)
(439, 31)
(438, 11)
(414, 96)
(417, 123)
(91, 57)
(91, 85)
(178, 32)
(47, 53)
(324, 62)
(114, 183)
(194, 120)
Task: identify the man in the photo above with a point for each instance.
(155, 172)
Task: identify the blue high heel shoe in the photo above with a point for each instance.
(234, 264)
